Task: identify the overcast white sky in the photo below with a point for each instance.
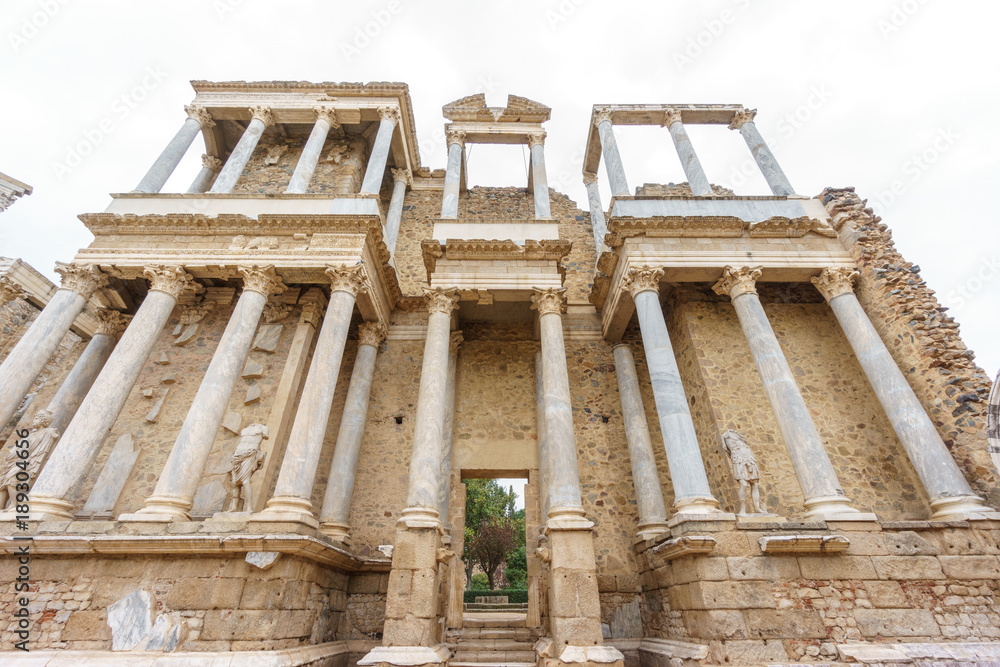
(864, 93)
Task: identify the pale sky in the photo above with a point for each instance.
(872, 94)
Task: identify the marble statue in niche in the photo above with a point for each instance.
(745, 471)
(245, 461)
(41, 438)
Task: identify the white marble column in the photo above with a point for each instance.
(97, 414)
(597, 222)
(692, 494)
(648, 494)
(775, 177)
(685, 151)
(336, 508)
(951, 497)
(260, 120)
(210, 166)
(428, 431)
(173, 496)
(293, 491)
(164, 166)
(609, 149)
(400, 179)
(448, 432)
(824, 496)
(380, 150)
(36, 347)
(543, 450)
(326, 118)
(540, 183)
(453, 173)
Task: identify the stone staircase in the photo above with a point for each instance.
(492, 638)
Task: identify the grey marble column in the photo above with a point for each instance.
(210, 166)
(293, 491)
(609, 149)
(428, 431)
(448, 432)
(685, 151)
(171, 156)
(597, 222)
(775, 177)
(400, 179)
(36, 347)
(648, 494)
(536, 142)
(824, 496)
(97, 414)
(453, 173)
(173, 496)
(326, 118)
(336, 508)
(237, 162)
(951, 497)
(380, 150)
(543, 450)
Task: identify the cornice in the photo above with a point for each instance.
(482, 249)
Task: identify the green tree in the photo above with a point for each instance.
(484, 498)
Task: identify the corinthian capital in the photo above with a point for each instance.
(111, 322)
(211, 162)
(196, 312)
(200, 114)
(274, 312)
(835, 282)
(349, 279)
(738, 281)
(642, 279)
(84, 280)
(329, 114)
(455, 137)
(602, 114)
(536, 139)
(670, 116)
(589, 178)
(170, 279)
(371, 333)
(742, 117)
(9, 290)
(389, 113)
(263, 114)
(261, 279)
(549, 301)
(402, 175)
(441, 300)
(311, 313)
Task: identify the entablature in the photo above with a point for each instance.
(249, 205)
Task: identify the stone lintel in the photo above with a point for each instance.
(804, 544)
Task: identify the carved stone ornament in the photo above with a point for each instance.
(311, 313)
(274, 312)
(9, 290)
(274, 153)
(589, 178)
(170, 279)
(402, 175)
(371, 333)
(455, 137)
(441, 300)
(389, 113)
(245, 461)
(670, 116)
(196, 312)
(601, 115)
(329, 114)
(200, 114)
(551, 301)
(738, 281)
(745, 471)
(835, 281)
(261, 279)
(642, 279)
(84, 280)
(263, 114)
(111, 322)
(211, 162)
(536, 139)
(349, 279)
(741, 118)
(41, 438)
(456, 341)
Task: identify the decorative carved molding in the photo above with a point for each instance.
(196, 312)
(274, 312)
(741, 118)
(211, 162)
(263, 114)
(833, 282)
(261, 279)
(642, 279)
(738, 281)
(441, 300)
(589, 178)
(329, 114)
(670, 116)
(402, 175)
(82, 279)
(242, 242)
(9, 290)
(349, 279)
(111, 322)
(602, 114)
(455, 137)
(389, 113)
(782, 227)
(371, 333)
(312, 312)
(170, 279)
(487, 249)
(456, 341)
(551, 301)
(200, 114)
(536, 139)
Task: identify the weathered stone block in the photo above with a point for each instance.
(896, 623)
(363, 583)
(576, 631)
(886, 594)
(715, 624)
(970, 567)
(909, 543)
(837, 567)
(408, 632)
(764, 567)
(731, 595)
(398, 596)
(747, 652)
(907, 567)
(572, 549)
(423, 592)
(694, 568)
(87, 625)
(205, 594)
(784, 623)
(242, 624)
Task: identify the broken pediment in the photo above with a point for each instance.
(519, 109)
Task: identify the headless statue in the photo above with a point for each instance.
(744, 470)
(41, 438)
(245, 461)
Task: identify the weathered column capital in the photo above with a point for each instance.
(589, 178)
(742, 117)
(275, 312)
(263, 114)
(111, 322)
(601, 115)
(738, 281)
(402, 175)
(456, 341)
(9, 290)
(455, 137)
(350, 279)
(311, 313)
(196, 312)
(670, 116)
(642, 279)
(389, 113)
(261, 279)
(549, 301)
(441, 300)
(170, 279)
(200, 114)
(211, 162)
(371, 333)
(82, 279)
(834, 282)
(536, 139)
(329, 114)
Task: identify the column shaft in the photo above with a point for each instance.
(452, 180)
(769, 167)
(210, 166)
(597, 222)
(170, 157)
(395, 215)
(379, 156)
(539, 181)
(544, 470)
(306, 165)
(238, 159)
(612, 159)
(448, 432)
(689, 159)
(80, 379)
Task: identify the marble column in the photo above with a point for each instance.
(648, 494)
(210, 166)
(40, 342)
(824, 496)
(173, 496)
(540, 183)
(453, 173)
(775, 177)
(9, 290)
(400, 179)
(326, 118)
(260, 120)
(380, 150)
(448, 432)
(692, 494)
(597, 222)
(609, 149)
(951, 497)
(293, 491)
(543, 451)
(97, 414)
(336, 508)
(685, 151)
(164, 166)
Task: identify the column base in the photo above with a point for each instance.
(545, 649)
(287, 509)
(651, 529)
(420, 517)
(338, 532)
(696, 505)
(407, 656)
(161, 509)
(962, 508)
(567, 518)
(834, 508)
(44, 508)
(759, 518)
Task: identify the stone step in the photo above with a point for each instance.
(493, 645)
(454, 663)
(494, 620)
(493, 657)
(521, 634)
